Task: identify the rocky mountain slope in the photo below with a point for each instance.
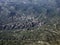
(24, 14)
(29, 22)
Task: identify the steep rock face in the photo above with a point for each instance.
(27, 25)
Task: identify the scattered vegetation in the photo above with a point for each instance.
(30, 22)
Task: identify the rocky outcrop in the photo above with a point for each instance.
(25, 25)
